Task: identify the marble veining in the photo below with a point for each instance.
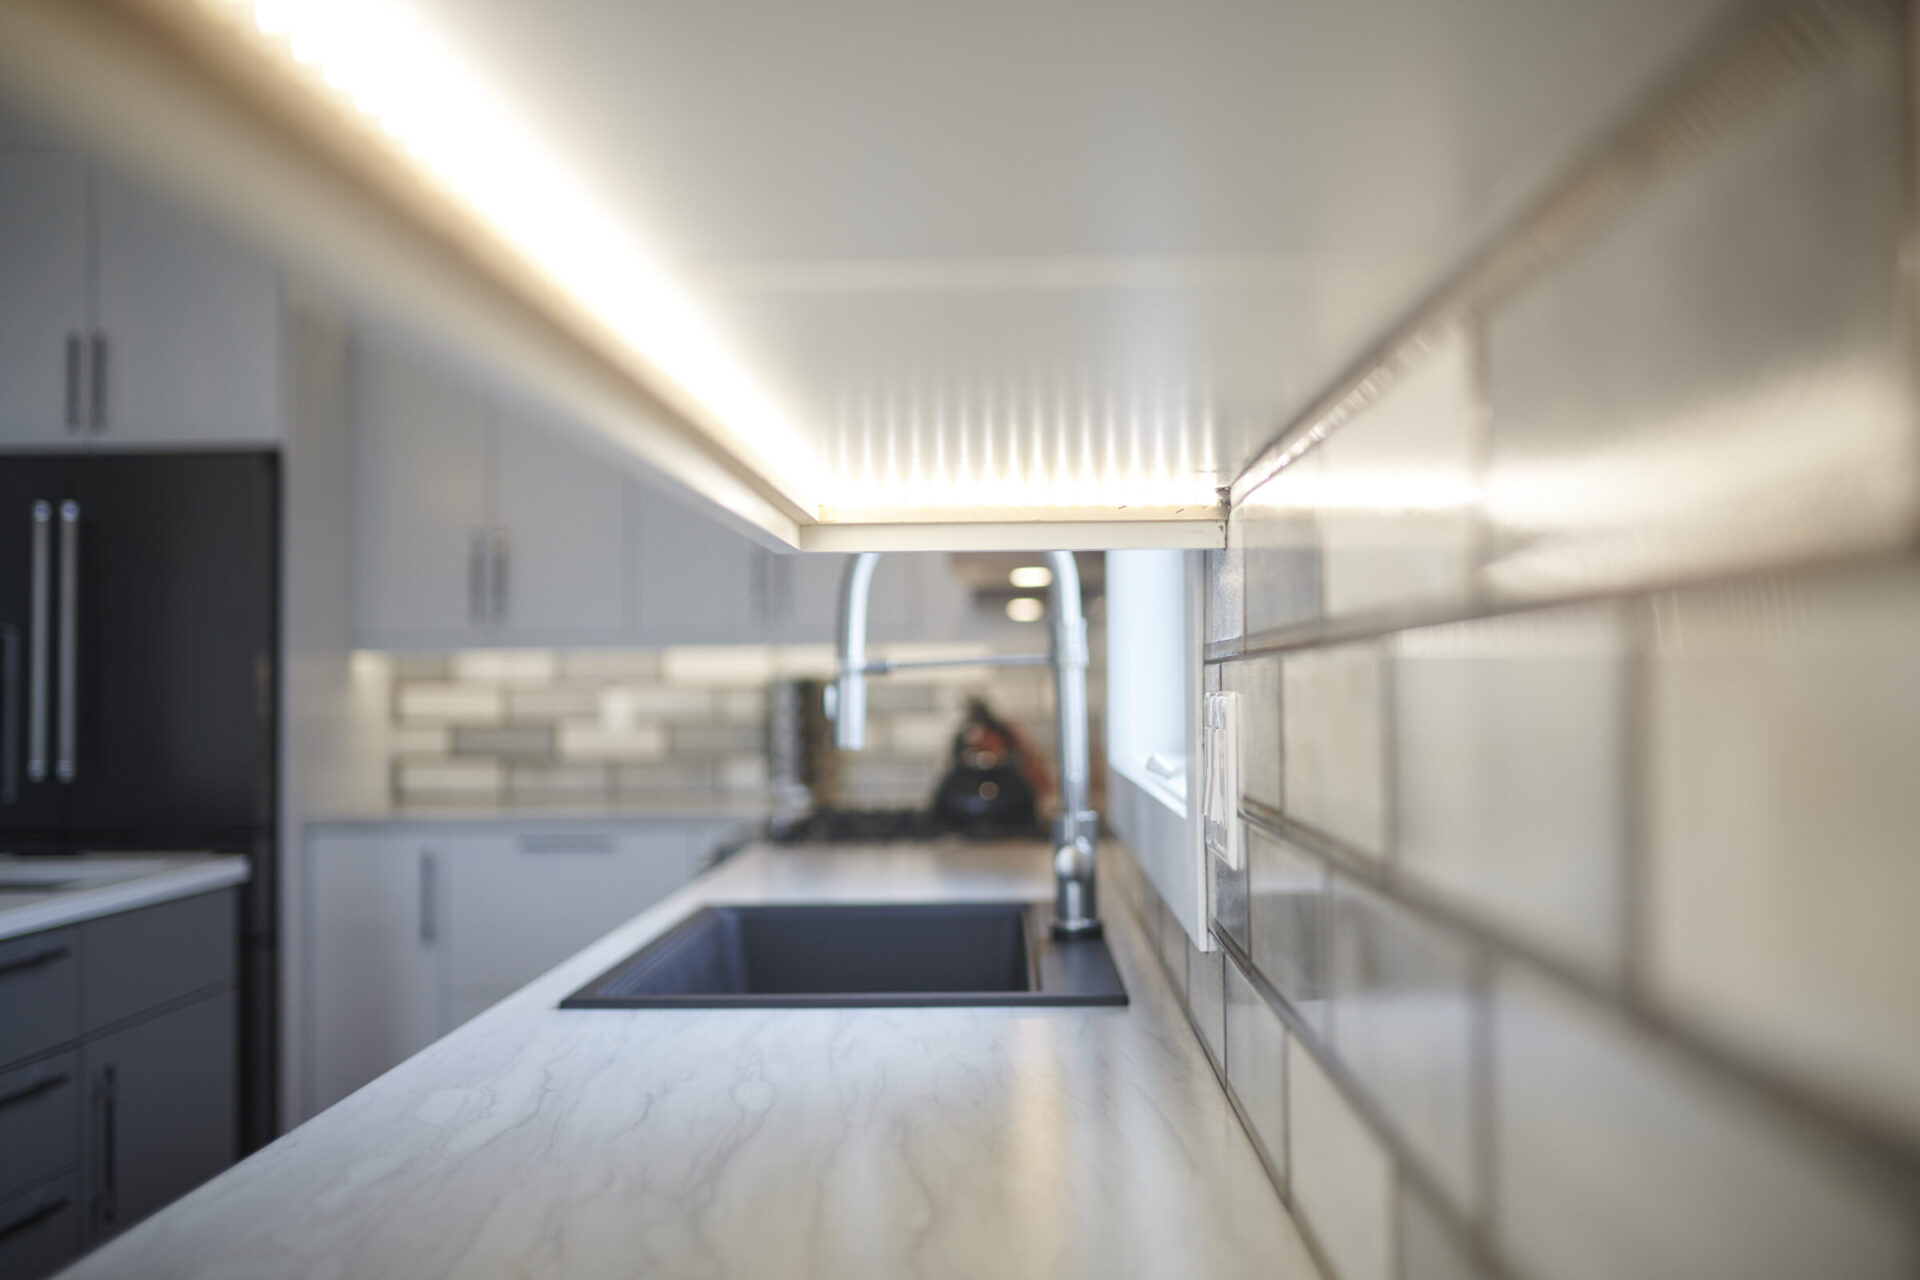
(818, 1142)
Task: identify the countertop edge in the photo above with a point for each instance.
(81, 905)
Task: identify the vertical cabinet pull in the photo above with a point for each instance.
(500, 568)
(67, 767)
(99, 380)
(75, 358)
(477, 608)
(429, 897)
(38, 637)
(10, 721)
(106, 1191)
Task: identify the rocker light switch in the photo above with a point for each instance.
(1220, 802)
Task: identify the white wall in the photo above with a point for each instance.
(333, 712)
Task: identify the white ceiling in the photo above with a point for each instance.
(1049, 251)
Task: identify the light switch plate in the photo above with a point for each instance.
(1220, 802)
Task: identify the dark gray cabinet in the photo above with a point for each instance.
(118, 1074)
(163, 1118)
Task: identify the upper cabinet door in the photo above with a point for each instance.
(695, 581)
(188, 328)
(422, 536)
(43, 296)
(803, 597)
(558, 555)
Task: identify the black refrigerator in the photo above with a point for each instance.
(139, 626)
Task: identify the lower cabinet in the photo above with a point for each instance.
(161, 1110)
(121, 1094)
(413, 930)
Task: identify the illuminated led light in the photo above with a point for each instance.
(381, 60)
(1031, 576)
(1026, 609)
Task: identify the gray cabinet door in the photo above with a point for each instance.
(376, 911)
(421, 440)
(695, 581)
(40, 1229)
(133, 961)
(803, 597)
(39, 1121)
(162, 1116)
(43, 295)
(190, 321)
(560, 521)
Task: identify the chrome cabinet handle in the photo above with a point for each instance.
(477, 608)
(429, 897)
(37, 638)
(66, 767)
(500, 565)
(75, 358)
(99, 380)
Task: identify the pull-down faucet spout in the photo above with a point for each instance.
(1075, 909)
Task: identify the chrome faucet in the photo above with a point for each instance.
(1075, 910)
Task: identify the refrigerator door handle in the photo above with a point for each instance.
(66, 766)
(37, 639)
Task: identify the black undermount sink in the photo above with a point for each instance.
(834, 955)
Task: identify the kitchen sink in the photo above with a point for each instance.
(835, 955)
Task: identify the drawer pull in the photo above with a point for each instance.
(33, 961)
(46, 1084)
(33, 1217)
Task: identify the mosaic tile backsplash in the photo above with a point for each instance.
(680, 726)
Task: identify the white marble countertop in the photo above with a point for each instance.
(822, 1142)
(39, 893)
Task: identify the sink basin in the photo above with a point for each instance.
(834, 955)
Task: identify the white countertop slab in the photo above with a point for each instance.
(106, 883)
(862, 1142)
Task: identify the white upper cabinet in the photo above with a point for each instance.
(475, 522)
(802, 595)
(560, 534)
(126, 322)
(186, 328)
(694, 581)
(43, 296)
(422, 541)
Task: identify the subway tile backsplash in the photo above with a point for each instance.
(1509, 765)
(1340, 1172)
(1616, 1159)
(1333, 757)
(683, 726)
(1578, 649)
(1403, 1013)
(1782, 776)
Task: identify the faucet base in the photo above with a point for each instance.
(1070, 929)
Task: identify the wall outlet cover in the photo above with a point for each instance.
(1220, 802)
